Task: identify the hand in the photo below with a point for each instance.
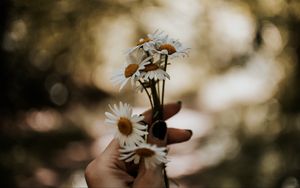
(108, 171)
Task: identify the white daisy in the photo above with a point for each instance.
(131, 70)
(152, 154)
(130, 130)
(154, 71)
(148, 43)
(171, 47)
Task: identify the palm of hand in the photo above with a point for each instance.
(108, 171)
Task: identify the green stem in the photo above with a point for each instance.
(148, 94)
(157, 112)
(163, 85)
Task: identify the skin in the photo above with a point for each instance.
(108, 171)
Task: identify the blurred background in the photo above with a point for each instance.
(239, 88)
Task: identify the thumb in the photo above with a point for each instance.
(149, 177)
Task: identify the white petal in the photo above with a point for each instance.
(111, 116)
(136, 159)
(130, 158)
(110, 122)
(122, 157)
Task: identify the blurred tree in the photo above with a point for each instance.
(43, 45)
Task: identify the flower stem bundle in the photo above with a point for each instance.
(146, 70)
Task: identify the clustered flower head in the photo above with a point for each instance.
(145, 68)
(144, 61)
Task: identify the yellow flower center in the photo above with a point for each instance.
(150, 67)
(170, 48)
(143, 40)
(130, 70)
(125, 126)
(144, 152)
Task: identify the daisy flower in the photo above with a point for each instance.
(129, 131)
(171, 47)
(154, 71)
(131, 70)
(152, 154)
(148, 43)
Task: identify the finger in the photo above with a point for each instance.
(178, 135)
(111, 154)
(158, 133)
(157, 136)
(107, 170)
(149, 178)
(112, 148)
(169, 111)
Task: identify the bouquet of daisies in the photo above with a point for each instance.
(146, 70)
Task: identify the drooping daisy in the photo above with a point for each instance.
(129, 129)
(152, 154)
(171, 47)
(154, 71)
(131, 70)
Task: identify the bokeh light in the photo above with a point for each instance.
(239, 87)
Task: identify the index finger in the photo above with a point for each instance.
(169, 110)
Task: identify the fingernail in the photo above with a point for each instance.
(190, 131)
(179, 102)
(159, 129)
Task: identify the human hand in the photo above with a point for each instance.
(108, 171)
